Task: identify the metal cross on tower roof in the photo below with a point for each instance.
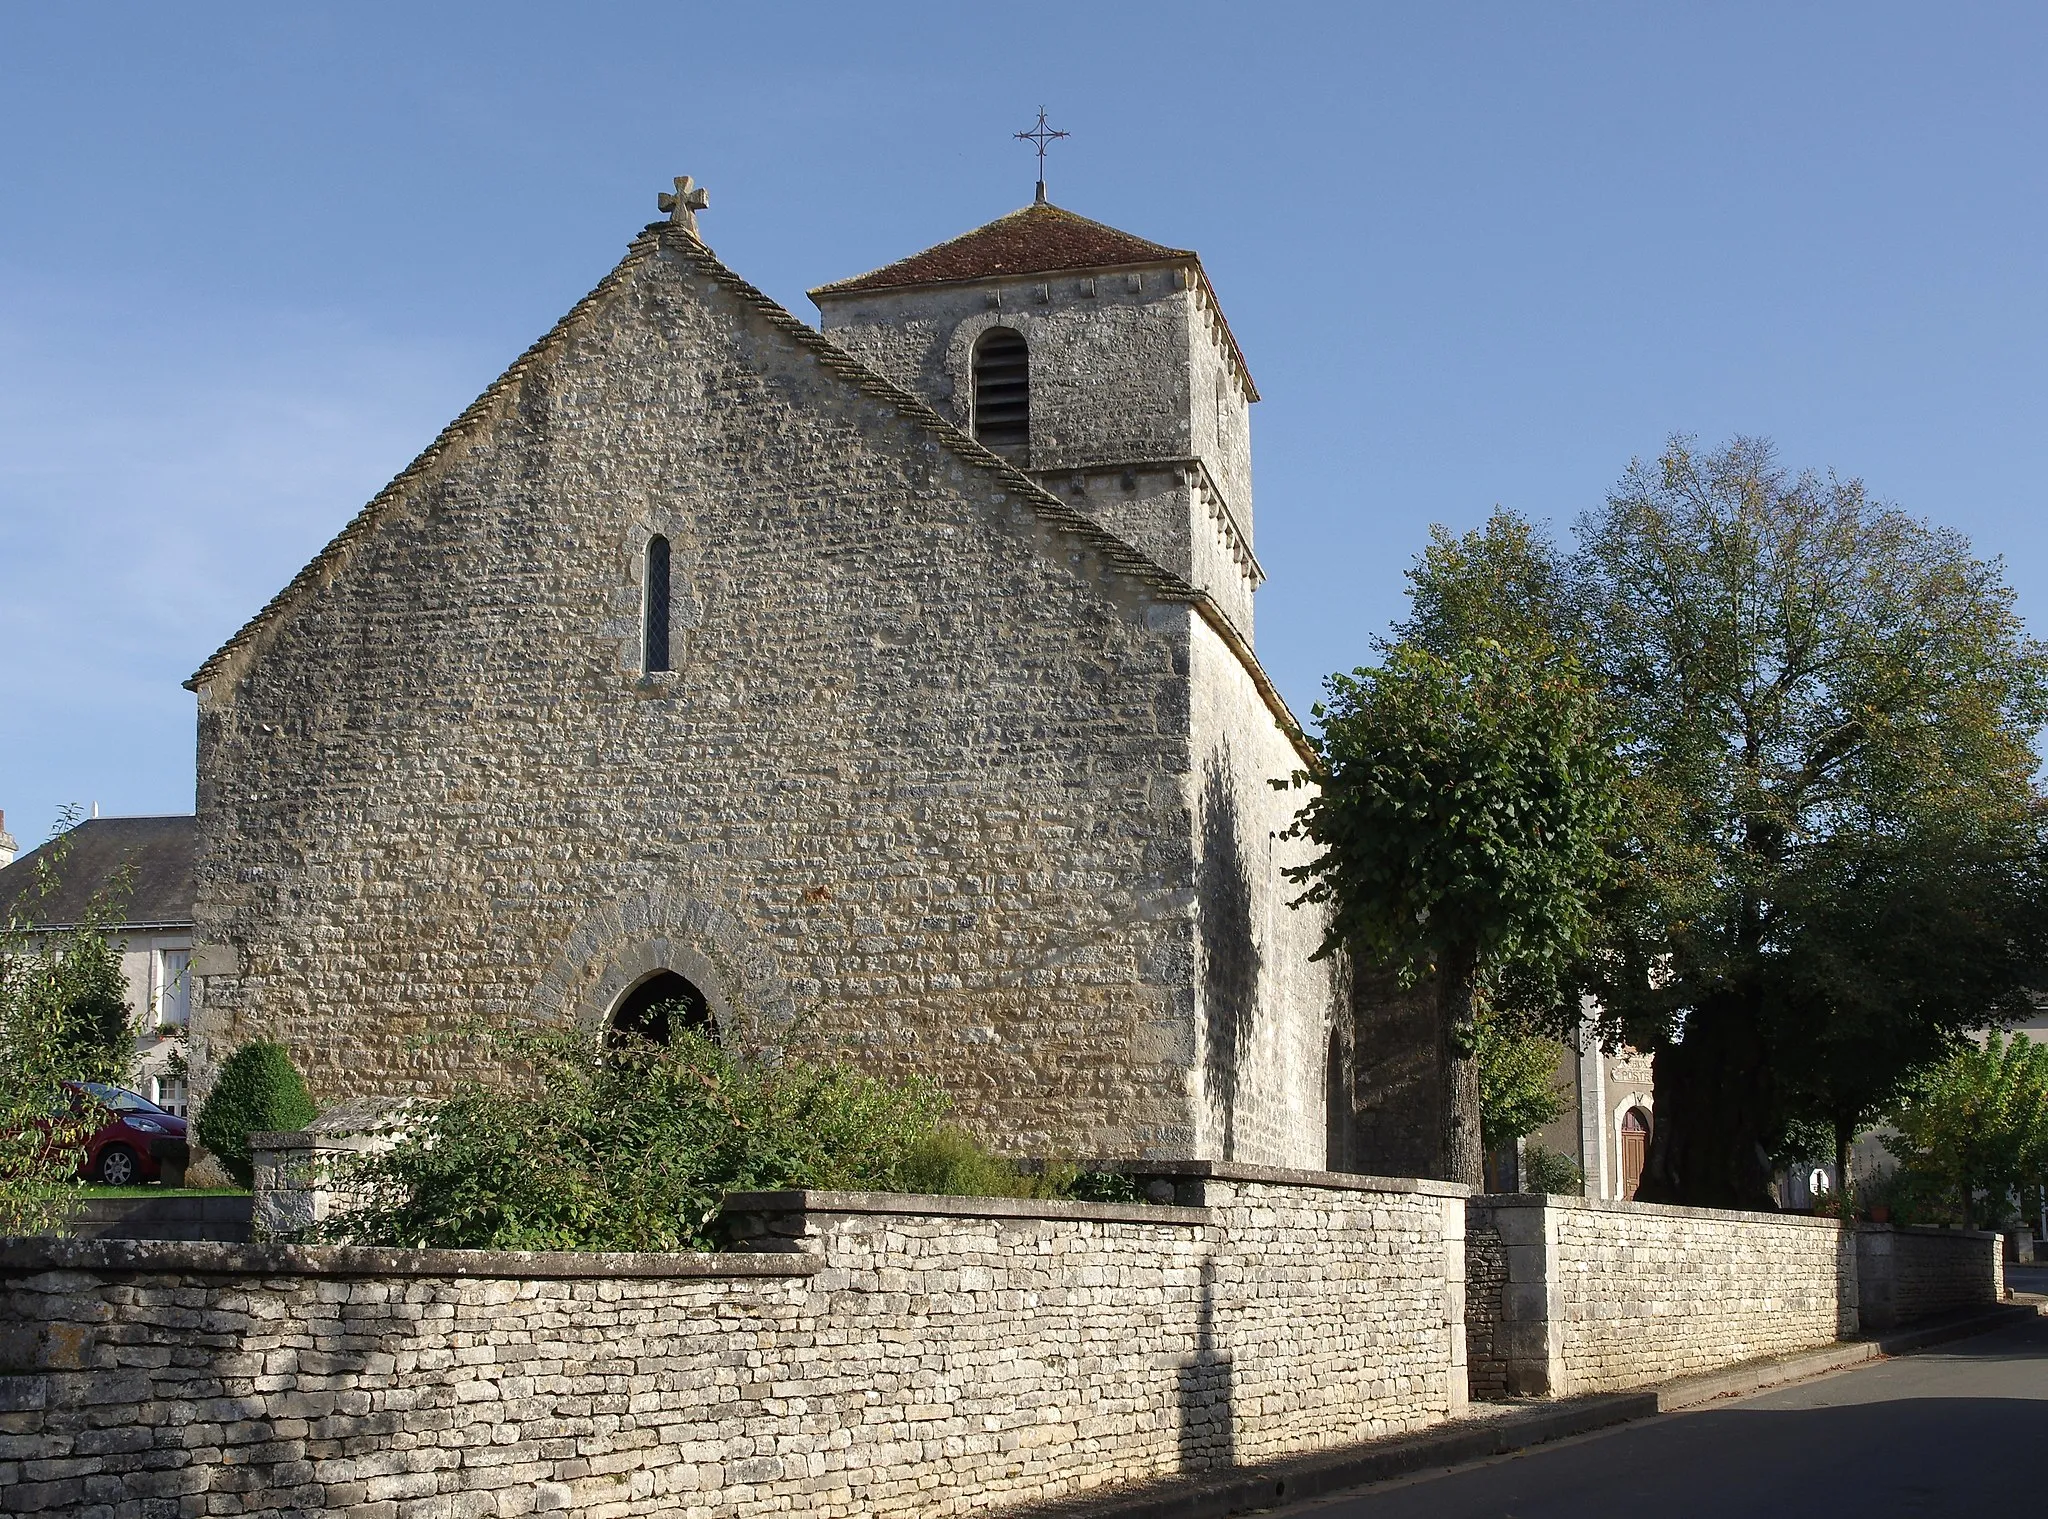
(1041, 134)
(683, 206)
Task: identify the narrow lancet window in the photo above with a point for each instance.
(654, 616)
(1002, 390)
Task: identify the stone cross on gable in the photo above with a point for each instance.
(683, 206)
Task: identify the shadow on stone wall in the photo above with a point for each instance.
(1208, 1421)
(1395, 1085)
(1230, 981)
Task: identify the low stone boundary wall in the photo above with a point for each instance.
(888, 1355)
(1572, 1295)
(1907, 1273)
(224, 1218)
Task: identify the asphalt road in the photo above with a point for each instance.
(1958, 1430)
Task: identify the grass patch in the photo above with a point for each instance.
(93, 1192)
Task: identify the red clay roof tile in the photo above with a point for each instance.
(1040, 239)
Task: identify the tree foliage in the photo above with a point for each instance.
(1976, 1124)
(1466, 808)
(258, 1090)
(1827, 709)
(1518, 1090)
(62, 1018)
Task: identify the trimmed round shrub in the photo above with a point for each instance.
(257, 1091)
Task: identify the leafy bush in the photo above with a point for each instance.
(1547, 1171)
(951, 1162)
(258, 1090)
(1103, 1187)
(629, 1145)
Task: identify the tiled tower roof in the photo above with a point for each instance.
(1040, 239)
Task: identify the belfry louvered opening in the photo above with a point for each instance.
(1002, 389)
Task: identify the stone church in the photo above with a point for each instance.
(882, 690)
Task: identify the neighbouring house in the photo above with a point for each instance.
(885, 690)
(134, 877)
(1606, 1124)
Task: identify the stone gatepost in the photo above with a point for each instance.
(1876, 1277)
(1521, 1348)
(1455, 1222)
(298, 1185)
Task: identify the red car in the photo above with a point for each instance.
(138, 1142)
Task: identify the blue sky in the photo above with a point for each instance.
(253, 257)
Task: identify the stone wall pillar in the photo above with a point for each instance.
(300, 1178)
(1454, 1210)
(1876, 1277)
(1525, 1351)
(1848, 1285)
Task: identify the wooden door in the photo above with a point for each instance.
(1635, 1149)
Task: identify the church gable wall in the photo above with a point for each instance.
(913, 790)
(1267, 1008)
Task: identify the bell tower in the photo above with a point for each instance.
(1096, 361)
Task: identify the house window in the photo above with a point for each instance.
(1002, 390)
(654, 615)
(168, 1093)
(173, 988)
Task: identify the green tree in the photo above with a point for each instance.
(1465, 806)
(1819, 696)
(1897, 948)
(1502, 583)
(1976, 1124)
(62, 1018)
(1518, 1090)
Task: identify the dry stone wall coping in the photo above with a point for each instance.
(1933, 1231)
(923, 1205)
(156, 1257)
(1496, 1200)
(1280, 1176)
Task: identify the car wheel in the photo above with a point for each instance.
(117, 1166)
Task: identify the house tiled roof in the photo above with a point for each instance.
(160, 854)
(1040, 239)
